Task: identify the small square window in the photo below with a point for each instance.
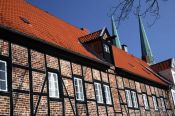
(3, 76)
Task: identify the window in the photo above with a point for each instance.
(128, 97)
(134, 98)
(145, 99)
(3, 76)
(163, 104)
(53, 85)
(107, 94)
(78, 84)
(173, 94)
(106, 48)
(98, 92)
(155, 103)
(131, 97)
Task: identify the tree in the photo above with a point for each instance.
(137, 7)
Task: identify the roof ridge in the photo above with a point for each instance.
(90, 33)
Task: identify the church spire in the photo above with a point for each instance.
(116, 41)
(145, 46)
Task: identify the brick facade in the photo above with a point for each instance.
(26, 74)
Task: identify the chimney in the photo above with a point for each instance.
(125, 48)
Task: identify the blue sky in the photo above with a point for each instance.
(92, 14)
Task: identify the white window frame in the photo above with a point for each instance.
(173, 95)
(5, 71)
(134, 98)
(145, 100)
(129, 98)
(79, 92)
(98, 91)
(106, 48)
(53, 85)
(155, 103)
(163, 104)
(173, 75)
(107, 94)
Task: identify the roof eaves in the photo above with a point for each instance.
(140, 76)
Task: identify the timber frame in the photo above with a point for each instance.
(33, 44)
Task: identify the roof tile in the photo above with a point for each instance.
(134, 65)
(42, 25)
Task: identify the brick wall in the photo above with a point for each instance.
(4, 105)
(21, 82)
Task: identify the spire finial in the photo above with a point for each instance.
(116, 41)
(145, 46)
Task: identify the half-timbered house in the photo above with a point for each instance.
(49, 67)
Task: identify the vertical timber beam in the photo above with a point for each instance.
(10, 79)
(110, 90)
(94, 91)
(103, 93)
(48, 101)
(63, 104)
(84, 89)
(76, 113)
(30, 82)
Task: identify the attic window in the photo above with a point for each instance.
(25, 20)
(106, 48)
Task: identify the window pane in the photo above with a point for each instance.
(134, 97)
(2, 65)
(2, 85)
(53, 85)
(155, 103)
(128, 97)
(55, 77)
(79, 89)
(2, 75)
(98, 93)
(107, 94)
(163, 104)
(145, 101)
(75, 81)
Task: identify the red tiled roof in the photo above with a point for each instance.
(24, 17)
(162, 65)
(134, 65)
(90, 36)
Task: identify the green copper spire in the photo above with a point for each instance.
(145, 46)
(116, 41)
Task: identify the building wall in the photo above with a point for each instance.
(28, 87)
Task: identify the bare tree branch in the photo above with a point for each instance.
(124, 8)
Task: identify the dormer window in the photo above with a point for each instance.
(106, 48)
